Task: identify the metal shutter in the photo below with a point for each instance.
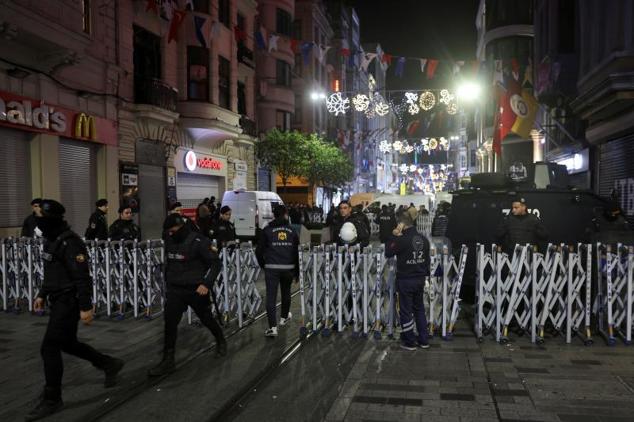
(191, 189)
(152, 200)
(15, 177)
(77, 182)
(616, 171)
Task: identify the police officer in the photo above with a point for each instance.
(68, 288)
(224, 231)
(277, 253)
(412, 267)
(387, 223)
(520, 227)
(124, 228)
(177, 208)
(358, 219)
(97, 225)
(29, 225)
(189, 257)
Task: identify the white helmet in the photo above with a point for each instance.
(348, 233)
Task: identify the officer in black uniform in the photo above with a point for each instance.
(97, 225)
(360, 221)
(520, 227)
(124, 227)
(29, 225)
(68, 288)
(277, 253)
(224, 231)
(387, 223)
(189, 257)
(177, 208)
(412, 267)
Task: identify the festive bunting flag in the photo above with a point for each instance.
(152, 5)
(177, 20)
(525, 108)
(273, 42)
(215, 30)
(322, 50)
(422, 65)
(259, 40)
(431, 68)
(199, 23)
(400, 67)
(505, 117)
(387, 59)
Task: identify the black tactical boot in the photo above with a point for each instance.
(111, 369)
(50, 402)
(166, 366)
(221, 348)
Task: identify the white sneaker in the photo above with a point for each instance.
(284, 321)
(271, 332)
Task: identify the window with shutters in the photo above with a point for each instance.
(15, 178)
(197, 73)
(224, 83)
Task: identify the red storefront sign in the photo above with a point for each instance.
(32, 115)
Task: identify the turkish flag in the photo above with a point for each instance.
(505, 117)
(177, 20)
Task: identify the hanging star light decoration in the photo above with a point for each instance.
(433, 143)
(336, 104)
(412, 168)
(385, 146)
(427, 100)
(404, 168)
(443, 142)
(413, 109)
(361, 102)
(420, 170)
(381, 109)
(446, 97)
(411, 97)
(409, 149)
(452, 108)
(397, 145)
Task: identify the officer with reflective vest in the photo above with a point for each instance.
(189, 257)
(411, 249)
(277, 253)
(97, 225)
(68, 287)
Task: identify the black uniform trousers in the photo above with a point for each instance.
(61, 336)
(283, 278)
(178, 299)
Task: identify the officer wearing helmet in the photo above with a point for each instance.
(189, 256)
(351, 227)
(411, 249)
(68, 288)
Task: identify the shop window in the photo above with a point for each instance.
(197, 73)
(284, 23)
(224, 83)
(283, 73)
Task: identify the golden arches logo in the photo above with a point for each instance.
(85, 126)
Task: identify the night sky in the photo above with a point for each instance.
(443, 30)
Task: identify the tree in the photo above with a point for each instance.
(283, 151)
(325, 163)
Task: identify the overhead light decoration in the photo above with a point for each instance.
(336, 104)
(385, 146)
(397, 145)
(381, 109)
(452, 108)
(427, 100)
(409, 149)
(361, 102)
(413, 109)
(433, 143)
(413, 168)
(446, 97)
(404, 168)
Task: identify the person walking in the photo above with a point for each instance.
(68, 288)
(97, 224)
(277, 253)
(411, 249)
(188, 259)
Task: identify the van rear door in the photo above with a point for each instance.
(243, 210)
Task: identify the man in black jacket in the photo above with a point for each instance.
(97, 225)
(277, 253)
(387, 222)
(224, 232)
(189, 257)
(124, 227)
(68, 287)
(412, 268)
(520, 227)
(357, 219)
(29, 225)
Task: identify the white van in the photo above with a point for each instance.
(251, 210)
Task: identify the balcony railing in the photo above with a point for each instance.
(155, 92)
(248, 126)
(245, 55)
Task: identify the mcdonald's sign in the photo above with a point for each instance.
(85, 127)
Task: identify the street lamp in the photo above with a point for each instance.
(316, 96)
(468, 91)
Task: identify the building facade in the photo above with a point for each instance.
(186, 125)
(59, 95)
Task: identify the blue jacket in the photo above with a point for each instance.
(278, 247)
(412, 254)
